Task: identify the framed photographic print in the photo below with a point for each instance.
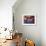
(28, 20)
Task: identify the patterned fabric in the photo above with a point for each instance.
(29, 43)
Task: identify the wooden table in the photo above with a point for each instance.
(18, 39)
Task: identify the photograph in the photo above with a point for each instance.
(28, 19)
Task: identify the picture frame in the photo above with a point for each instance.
(29, 20)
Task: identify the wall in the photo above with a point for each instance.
(43, 22)
(32, 32)
(6, 13)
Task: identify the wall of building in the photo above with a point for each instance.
(43, 22)
(29, 7)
